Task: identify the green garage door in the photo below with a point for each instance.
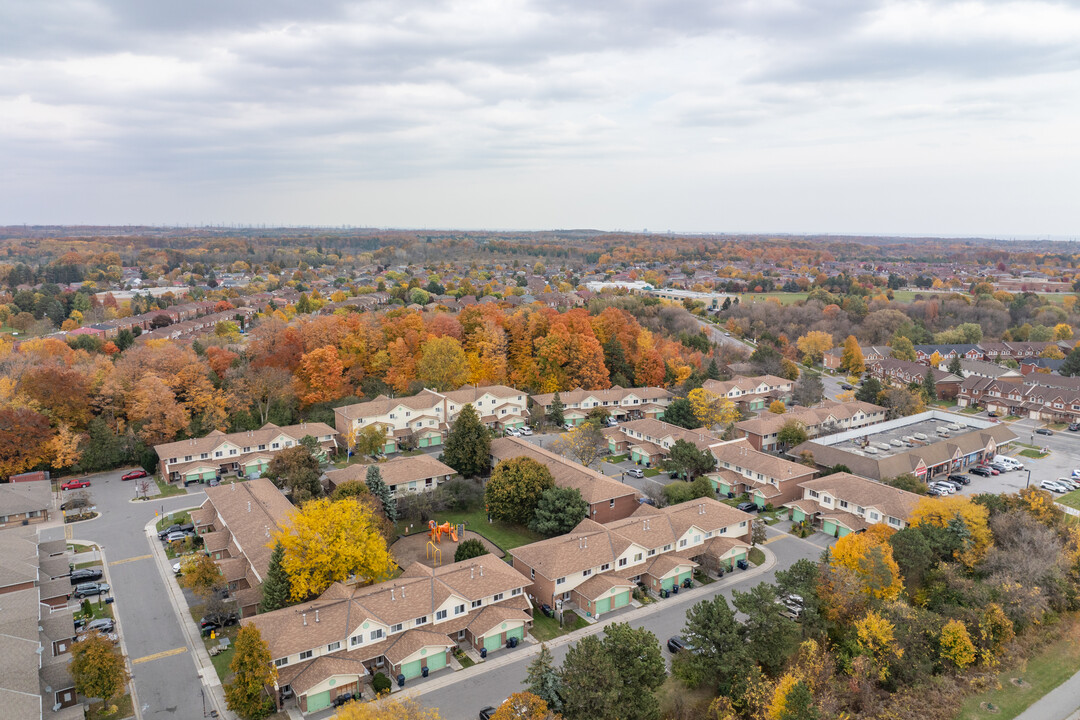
(436, 661)
(602, 606)
(518, 633)
(209, 475)
(411, 670)
(829, 528)
(621, 600)
(842, 531)
(318, 701)
(423, 442)
(492, 642)
(667, 584)
(685, 576)
(437, 440)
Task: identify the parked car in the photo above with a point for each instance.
(1052, 486)
(933, 492)
(178, 535)
(1010, 462)
(1068, 483)
(612, 422)
(526, 430)
(185, 528)
(676, 644)
(845, 386)
(1073, 427)
(1043, 431)
(177, 568)
(488, 712)
(746, 507)
(993, 470)
(635, 472)
(75, 484)
(217, 622)
(85, 575)
(511, 432)
(90, 588)
(962, 479)
(999, 467)
(1076, 473)
(954, 485)
(942, 488)
(984, 472)
(103, 625)
(568, 426)
(134, 475)
(991, 414)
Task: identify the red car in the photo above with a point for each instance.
(134, 475)
(75, 484)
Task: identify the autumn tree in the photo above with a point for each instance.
(319, 378)
(97, 669)
(468, 444)
(443, 365)
(387, 709)
(869, 556)
(852, 361)
(558, 511)
(711, 410)
(523, 706)
(332, 541)
(792, 434)
(965, 518)
(62, 449)
(585, 443)
(777, 407)
(903, 349)
(875, 639)
(515, 488)
(260, 388)
(792, 699)
(275, 589)
(201, 575)
(368, 440)
(155, 411)
(956, 646)
(813, 345)
(252, 670)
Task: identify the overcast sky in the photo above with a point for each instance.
(692, 115)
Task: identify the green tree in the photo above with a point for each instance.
(102, 449)
(368, 440)
(555, 415)
(350, 488)
(809, 389)
(713, 371)
(681, 413)
(381, 490)
(954, 366)
(717, 654)
(869, 390)
(468, 445)
(792, 434)
(469, 548)
(97, 669)
(296, 470)
(559, 511)
(908, 482)
(929, 387)
(589, 682)
(1071, 366)
(275, 589)
(635, 655)
(685, 459)
(675, 493)
(770, 637)
(542, 679)
(515, 489)
(799, 704)
(201, 575)
(252, 671)
(598, 416)
(803, 579)
(903, 349)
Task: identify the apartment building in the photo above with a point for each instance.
(1038, 396)
(596, 566)
(751, 394)
(406, 626)
(649, 441)
(403, 475)
(245, 453)
(237, 522)
(843, 503)
(621, 403)
(829, 417)
(767, 479)
(608, 499)
(903, 372)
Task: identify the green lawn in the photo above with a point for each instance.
(702, 579)
(96, 613)
(221, 660)
(94, 563)
(615, 458)
(652, 472)
(756, 556)
(167, 490)
(123, 707)
(80, 548)
(1072, 499)
(785, 298)
(177, 518)
(545, 628)
(1055, 664)
(506, 535)
(1036, 454)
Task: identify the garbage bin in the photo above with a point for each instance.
(483, 653)
(401, 681)
(424, 672)
(675, 589)
(743, 564)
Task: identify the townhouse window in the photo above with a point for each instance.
(560, 581)
(356, 640)
(421, 620)
(288, 443)
(408, 414)
(611, 503)
(232, 452)
(532, 574)
(708, 534)
(440, 615)
(843, 503)
(247, 449)
(217, 454)
(651, 553)
(894, 521)
(376, 634)
(396, 628)
(204, 456)
(333, 646)
(393, 488)
(622, 562)
(682, 543)
(874, 516)
(605, 567)
(305, 654)
(667, 547)
(262, 447)
(515, 591)
(392, 416)
(497, 597)
(459, 609)
(275, 446)
(281, 662)
(478, 603)
(187, 458)
(637, 557)
(723, 530)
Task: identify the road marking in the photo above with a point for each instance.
(68, 534)
(158, 656)
(130, 559)
(774, 538)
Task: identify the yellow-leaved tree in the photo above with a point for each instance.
(876, 640)
(332, 541)
(387, 709)
(777, 407)
(852, 361)
(936, 359)
(961, 513)
(710, 409)
(869, 556)
(813, 345)
(956, 645)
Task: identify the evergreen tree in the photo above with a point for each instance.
(680, 412)
(713, 371)
(1071, 366)
(929, 387)
(869, 390)
(468, 446)
(468, 549)
(381, 490)
(954, 366)
(543, 680)
(556, 414)
(275, 589)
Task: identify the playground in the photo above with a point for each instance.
(415, 548)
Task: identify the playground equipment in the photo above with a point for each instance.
(433, 553)
(438, 530)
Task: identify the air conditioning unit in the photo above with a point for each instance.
(870, 450)
(881, 446)
(954, 426)
(920, 436)
(908, 439)
(896, 442)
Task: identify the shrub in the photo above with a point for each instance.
(381, 684)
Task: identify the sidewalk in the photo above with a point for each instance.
(1061, 703)
(215, 693)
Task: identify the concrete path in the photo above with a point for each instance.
(1061, 703)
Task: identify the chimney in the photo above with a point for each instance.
(305, 619)
(316, 614)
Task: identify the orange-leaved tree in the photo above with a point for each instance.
(869, 556)
(958, 512)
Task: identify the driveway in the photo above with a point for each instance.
(165, 678)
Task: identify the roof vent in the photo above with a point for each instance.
(481, 574)
(249, 506)
(305, 618)
(316, 614)
(391, 593)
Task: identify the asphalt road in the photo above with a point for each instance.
(166, 683)
(463, 699)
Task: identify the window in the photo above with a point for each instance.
(497, 598)
(281, 662)
(622, 562)
(247, 450)
(723, 530)
(333, 646)
(392, 416)
(305, 654)
(560, 581)
(697, 539)
(611, 503)
(814, 493)
(395, 628)
(172, 460)
(605, 566)
(204, 456)
(187, 458)
(637, 557)
(843, 503)
(217, 453)
(440, 615)
(514, 592)
(478, 603)
(232, 452)
(532, 574)
(682, 543)
(262, 447)
(421, 620)
(667, 547)
(586, 573)
(459, 609)
(356, 640)
(275, 446)
(651, 553)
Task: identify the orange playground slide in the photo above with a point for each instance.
(438, 530)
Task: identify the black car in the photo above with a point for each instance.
(208, 625)
(746, 507)
(985, 472)
(185, 528)
(676, 644)
(1043, 431)
(845, 386)
(991, 414)
(962, 479)
(85, 575)
(999, 467)
(488, 712)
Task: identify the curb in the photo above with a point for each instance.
(594, 629)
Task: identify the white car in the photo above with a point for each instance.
(176, 568)
(1068, 483)
(511, 432)
(525, 431)
(943, 488)
(635, 472)
(1052, 486)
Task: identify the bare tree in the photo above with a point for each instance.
(585, 443)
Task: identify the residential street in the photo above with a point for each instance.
(166, 682)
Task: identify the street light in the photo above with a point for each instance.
(1028, 483)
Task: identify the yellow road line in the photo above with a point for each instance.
(774, 538)
(68, 534)
(158, 656)
(130, 559)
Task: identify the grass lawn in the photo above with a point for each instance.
(545, 628)
(221, 660)
(906, 296)
(785, 298)
(615, 458)
(506, 535)
(1036, 454)
(80, 548)
(1011, 418)
(702, 579)
(1058, 426)
(123, 707)
(1072, 499)
(652, 472)
(92, 563)
(1055, 664)
(756, 556)
(676, 700)
(970, 411)
(177, 518)
(465, 660)
(167, 490)
(96, 613)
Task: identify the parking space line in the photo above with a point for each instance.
(130, 559)
(158, 656)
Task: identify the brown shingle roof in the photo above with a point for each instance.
(395, 471)
(593, 486)
(867, 493)
(252, 512)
